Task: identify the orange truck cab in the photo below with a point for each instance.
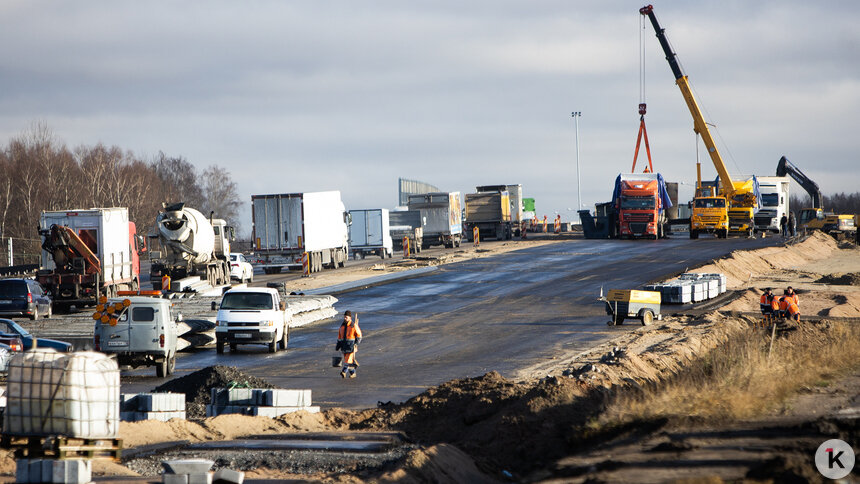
(640, 202)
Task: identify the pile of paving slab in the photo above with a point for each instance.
(134, 407)
(259, 401)
(690, 287)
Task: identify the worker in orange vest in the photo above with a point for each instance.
(348, 337)
(793, 310)
(764, 302)
(774, 306)
(793, 295)
(784, 301)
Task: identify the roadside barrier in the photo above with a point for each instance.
(476, 235)
(305, 265)
(406, 247)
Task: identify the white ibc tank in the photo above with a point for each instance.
(70, 394)
(189, 228)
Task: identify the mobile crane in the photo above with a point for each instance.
(732, 210)
(814, 218)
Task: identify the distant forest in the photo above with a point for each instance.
(38, 173)
(837, 203)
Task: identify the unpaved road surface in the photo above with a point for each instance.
(501, 313)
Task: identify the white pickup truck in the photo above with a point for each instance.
(252, 316)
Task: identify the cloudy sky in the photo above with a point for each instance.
(350, 95)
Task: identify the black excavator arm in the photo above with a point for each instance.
(785, 167)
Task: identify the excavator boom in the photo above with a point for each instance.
(785, 167)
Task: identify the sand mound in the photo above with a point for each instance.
(222, 427)
(741, 266)
(196, 386)
(438, 463)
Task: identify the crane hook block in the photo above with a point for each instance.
(642, 109)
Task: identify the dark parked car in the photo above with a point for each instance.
(23, 297)
(11, 328)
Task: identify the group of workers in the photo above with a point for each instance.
(786, 306)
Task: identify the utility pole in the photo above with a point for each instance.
(576, 115)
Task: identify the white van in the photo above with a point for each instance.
(251, 316)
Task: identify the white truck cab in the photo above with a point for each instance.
(251, 316)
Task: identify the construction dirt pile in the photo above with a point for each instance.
(851, 279)
(196, 386)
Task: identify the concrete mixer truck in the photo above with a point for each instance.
(191, 245)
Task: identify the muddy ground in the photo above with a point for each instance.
(539, 426)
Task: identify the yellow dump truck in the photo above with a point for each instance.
(627, 303)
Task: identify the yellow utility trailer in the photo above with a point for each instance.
(629, 303)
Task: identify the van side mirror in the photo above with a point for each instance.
(282, 306)
(214, 306)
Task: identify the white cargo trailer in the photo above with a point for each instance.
(369, 233)
(287, 225)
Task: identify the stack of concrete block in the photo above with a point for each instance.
(196, 471)
(151, 406)
(257, 401)
(71, 471)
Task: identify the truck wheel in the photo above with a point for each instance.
(619, 320)
(171, 364)
(694, 234)
(232, 347)
(35, 314)
(161, 368)
(50, 312)
(285, 339)
(273, 346)
(219, 347)
(456, 242)
(647, 317)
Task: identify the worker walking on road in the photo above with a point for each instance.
(348, 337)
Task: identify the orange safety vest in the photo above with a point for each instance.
(783, 303)
(794, 298)
(774, 303)
(349, 332)
(793, 309)
(764, 300)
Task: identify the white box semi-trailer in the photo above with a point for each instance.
(287, 225)
(369, 233)
(774, 192)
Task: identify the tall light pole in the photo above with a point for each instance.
(576, 115)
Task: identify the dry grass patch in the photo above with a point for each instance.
(738, 380)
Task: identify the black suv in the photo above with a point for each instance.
(23, 297)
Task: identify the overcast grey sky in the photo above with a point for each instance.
(350, 95)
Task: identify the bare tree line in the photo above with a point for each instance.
(842, 203)
(38, 173)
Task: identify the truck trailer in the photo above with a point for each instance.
(87, 254)
(406, 224)
(369, 233)
(490, 213)
(287, 225)
(442, 216)
(515, 195)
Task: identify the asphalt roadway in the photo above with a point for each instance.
(503, 313)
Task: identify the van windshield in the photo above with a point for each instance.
(247, 300)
